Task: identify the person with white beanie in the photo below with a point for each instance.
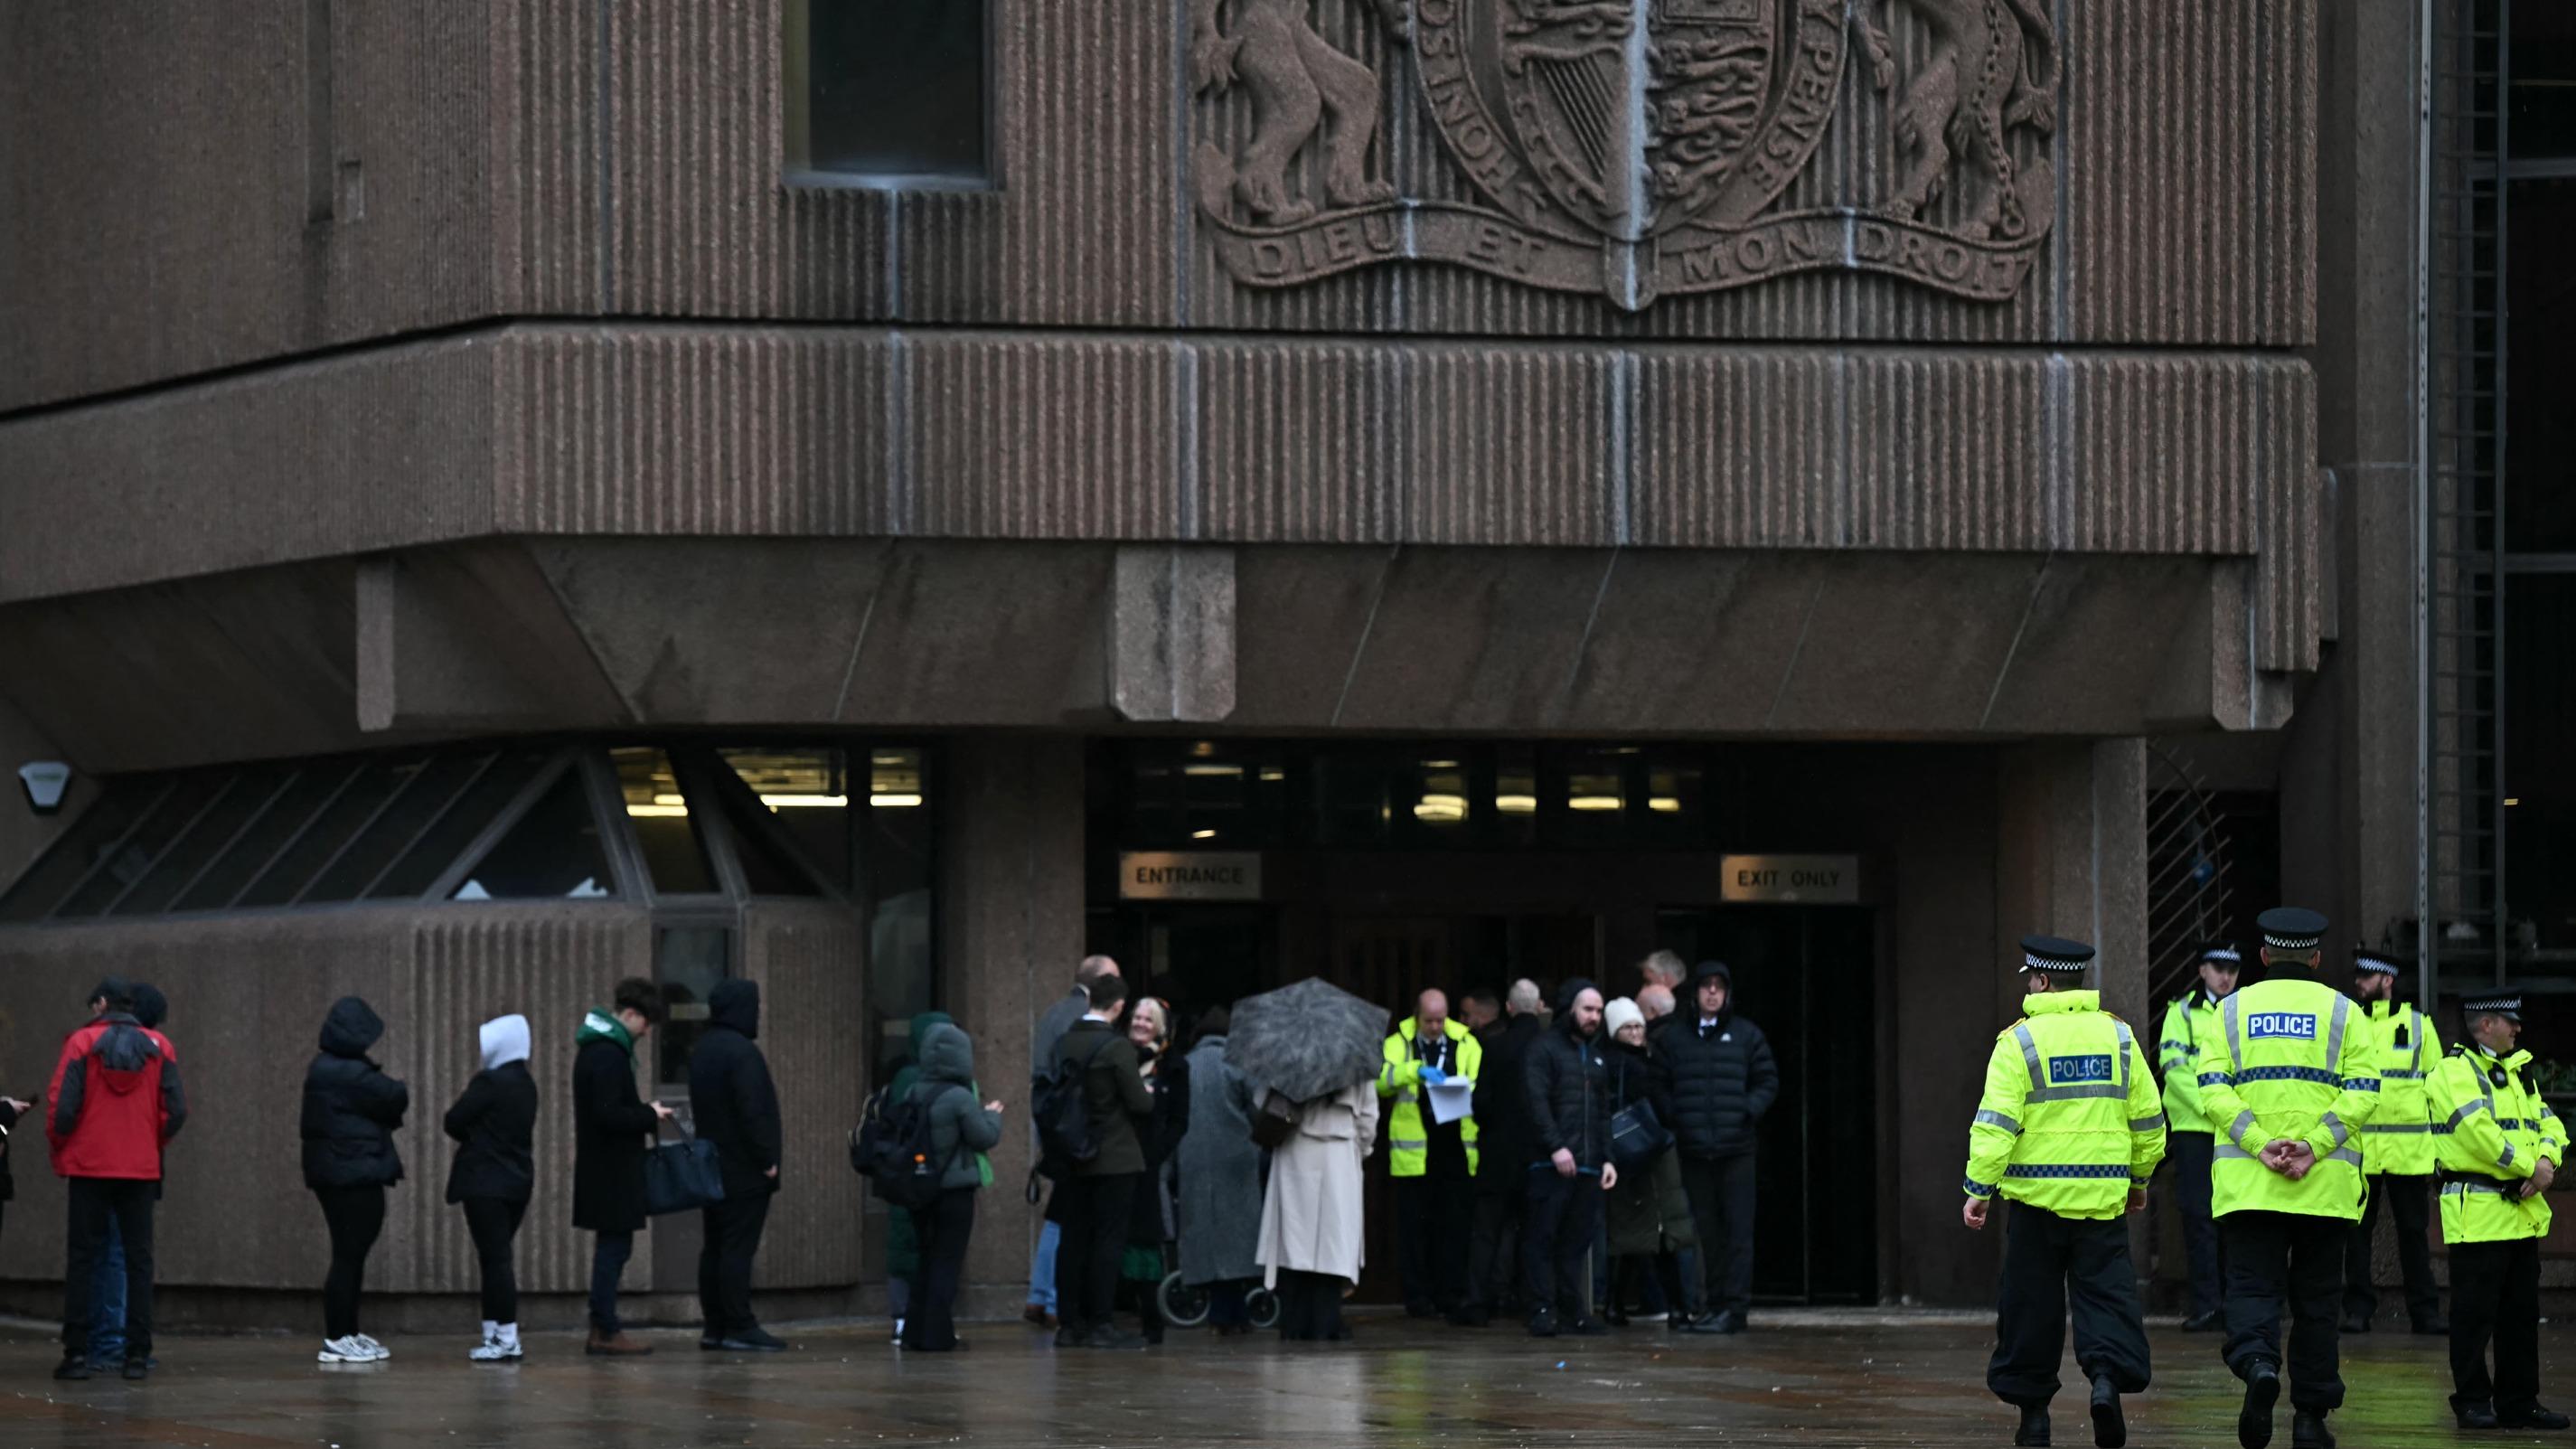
(495, 1124)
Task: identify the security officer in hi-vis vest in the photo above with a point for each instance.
(2500, 1147)
(2069, 1131)
(2296, 1082)
(2190, 1043)
(2396, 1149)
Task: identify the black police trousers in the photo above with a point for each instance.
(2495, 1293)
(2297, 1257)
(2409, 1201)
(2190, 1154)
(2052, 1264)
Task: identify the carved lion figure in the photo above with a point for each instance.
(1302, 90)
(1994, 66)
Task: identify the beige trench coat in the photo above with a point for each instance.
(1310, 1216)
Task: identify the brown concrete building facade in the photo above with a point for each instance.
(1495, 468)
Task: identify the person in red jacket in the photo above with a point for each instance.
(115, 1102)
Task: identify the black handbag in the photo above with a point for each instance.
(682, 1175)
(1636, 1136)
(1274, 1122)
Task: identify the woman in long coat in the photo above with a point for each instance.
(1649, 1217)
(1312, 1238)
(1220, 1181)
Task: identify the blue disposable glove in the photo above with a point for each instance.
(1433, 1076)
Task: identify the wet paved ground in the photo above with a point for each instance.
(1810, 1380)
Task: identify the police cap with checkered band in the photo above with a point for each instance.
(2291, 928)
(2054, 955)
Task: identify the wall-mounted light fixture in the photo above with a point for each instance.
(46, 782)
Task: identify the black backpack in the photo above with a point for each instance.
(1065, 1141)
(892, 1150)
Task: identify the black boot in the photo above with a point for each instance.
(2110, 1430)
(2209, 1322)
(2473, 1413)
(2534, 1415)
(2034, 1426)
(2262, 1391)
(2356, 1323)
(2308, 1431)
(2434, 1327)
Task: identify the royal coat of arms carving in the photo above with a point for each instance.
(1638, 148)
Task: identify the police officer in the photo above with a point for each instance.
(1433, 1162)
(2500, 1147)
(2298, 1078)
(2396, 1148)
(2069, 1131)
(2190, 1043)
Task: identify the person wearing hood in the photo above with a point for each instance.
(351, 1109)
(494, 1124)
(1219, 1169)
(107, 1328)
(1567, 1082)
(610, 1126)
(1717, 1072)
(736, 1105)
(960, 1131)
(113, 1105)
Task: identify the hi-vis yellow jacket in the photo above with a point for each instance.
(2399, 1139)
(2298, 1064)
(2491, 1127)
(2190, 1042)
(1408, 1141)
(2069, 1122)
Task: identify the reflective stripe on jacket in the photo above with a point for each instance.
(2399, 1138)
(1399, 1077)
(2490, 1128)
(2069, 1122)
(2188, 1045)
(2298, 1066)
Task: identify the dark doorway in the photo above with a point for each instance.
(1805, 975)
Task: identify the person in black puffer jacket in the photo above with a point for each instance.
(1567, 1081)
(351, 1109)
(1501, 1107)
(495, 1127)
(1718, 1074)
(736, 1106)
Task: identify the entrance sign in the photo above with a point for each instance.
(1806, 880)
(1189, 875)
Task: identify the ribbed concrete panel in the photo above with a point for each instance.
(546, 142)
(2168, 453)
(2192, 128)
(1741, 450)
(1948, 451)
(550, 965)
(1510, 445)
(366, 452)
(2290, 570)
(1034, 437)
(692, 113)
(683, 431)
(1296, 442)
(811, 963)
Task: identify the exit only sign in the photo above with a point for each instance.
(1791, 879)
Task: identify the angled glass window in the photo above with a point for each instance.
(462, 823)
(432, 788)
(270, 830)
(674, 855)
(806, 794)
(130, 859)
(96, 833)
(333, 827)
(553, 853)
(249, 792)
(890, 91)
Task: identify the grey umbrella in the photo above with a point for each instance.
(1306, 1041)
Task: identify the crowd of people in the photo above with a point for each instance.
(1599, 1155)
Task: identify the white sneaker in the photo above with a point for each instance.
(345, 1350)
(371, 1346)
(495, 1351)
(898, 1332)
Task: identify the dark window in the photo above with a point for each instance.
(277, 822)
(900, 864)
(432, 788)
(96, 833)
(804, 794)
(132, 858)
(896, 89)
(242, 800)
(688, 961)
(553, 853)
(332, 829)
(472, 814)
